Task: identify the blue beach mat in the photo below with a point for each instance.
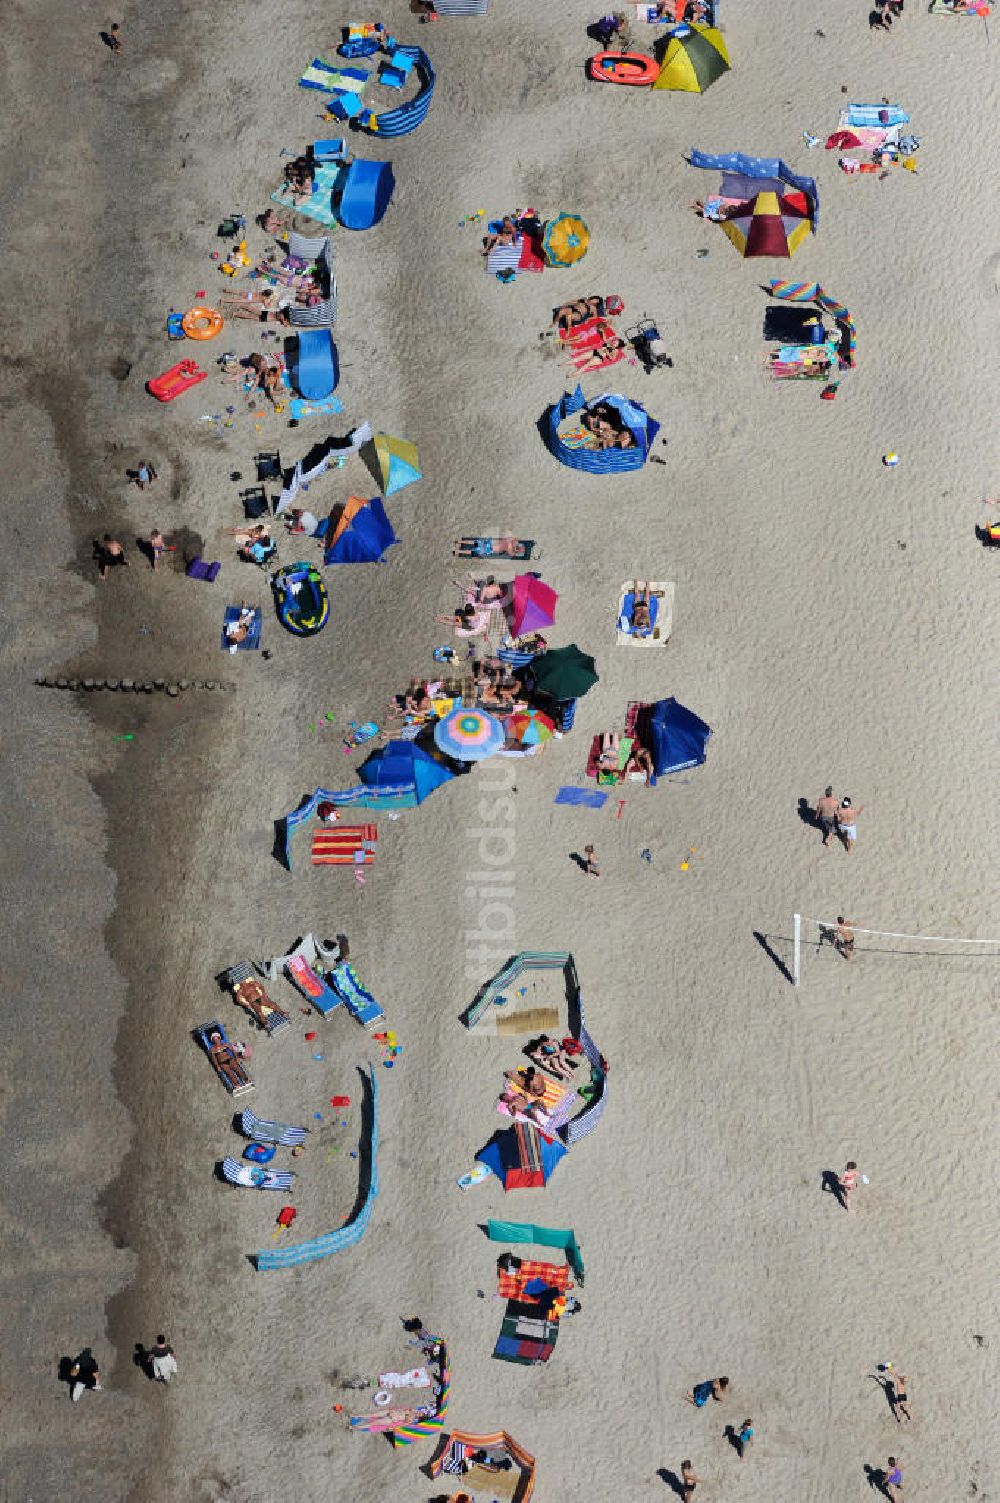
(251, 642)
(587, 798)
(320, 205)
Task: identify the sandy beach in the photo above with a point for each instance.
(833, 622)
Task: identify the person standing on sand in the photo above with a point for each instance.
(689, 1480)
(900, 1397)
(744, 1438)
(157, 546)
(826, 814)
(84, 1373)
(843, 937)
(848, 1183)
(162, 1360)
(114, 39)
(894, 1480)
(145, 474)
(847, 827)
(590, 865)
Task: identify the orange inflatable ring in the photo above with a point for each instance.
(202, 323)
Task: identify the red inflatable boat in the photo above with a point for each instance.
(625, 68)
(177, 379)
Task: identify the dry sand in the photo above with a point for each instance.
(818, 646)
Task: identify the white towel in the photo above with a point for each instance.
(417, 1377)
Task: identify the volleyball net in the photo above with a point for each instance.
(843, 935)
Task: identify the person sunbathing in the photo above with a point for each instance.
(641, 761)
(227, 1063)
(505, 235)
(551, 1056)
(252, 996)
(239, 630)
(603, 354)
(488, 548)
(300, 179)
(641, 620)
(256, 533)
(607, 760)
(482, 592)
(466, 621)
(266, 375)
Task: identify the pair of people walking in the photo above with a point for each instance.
(713, 1389)
(838, 817)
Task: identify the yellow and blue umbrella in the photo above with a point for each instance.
(695, 57)
(469, 735)
(566, 240)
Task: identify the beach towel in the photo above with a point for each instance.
(300, 408)
(554, 1092)
(417, 1377)
(505, 257)
(531, 258)
(344, 845)
(251, 642)
(329, 76)
(582, 796)
(319, 205)
(599, 357)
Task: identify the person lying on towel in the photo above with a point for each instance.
(239, 630)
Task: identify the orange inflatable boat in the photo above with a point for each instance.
(624, 68)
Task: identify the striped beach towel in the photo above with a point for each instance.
(344, 845)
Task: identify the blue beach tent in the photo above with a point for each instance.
(679, 737)
(361, 533)
(402, 764)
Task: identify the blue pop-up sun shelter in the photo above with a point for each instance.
(361, 534)
(366, 194)
(679, 737)
(404, 764)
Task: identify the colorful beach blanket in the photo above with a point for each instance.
(319, 205)
(326, 77)
(300, 408)
(511, 1284)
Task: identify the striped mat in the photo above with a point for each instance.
(344, 845)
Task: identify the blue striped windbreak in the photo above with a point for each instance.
(602, 461)
(406, 117)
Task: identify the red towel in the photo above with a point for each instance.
(531, 254)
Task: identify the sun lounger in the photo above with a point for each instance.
(250, 994)
(263, 1131)
(316, 373)
(312, 986)
(254, 1177)
(367, 191)
(317, 953)
(225, 1060)
(360, 1002)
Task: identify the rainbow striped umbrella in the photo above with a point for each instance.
(529, 727)
(469, 735)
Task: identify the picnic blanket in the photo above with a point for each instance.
(525, 1340)
(511, 1283)
(319, 205)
